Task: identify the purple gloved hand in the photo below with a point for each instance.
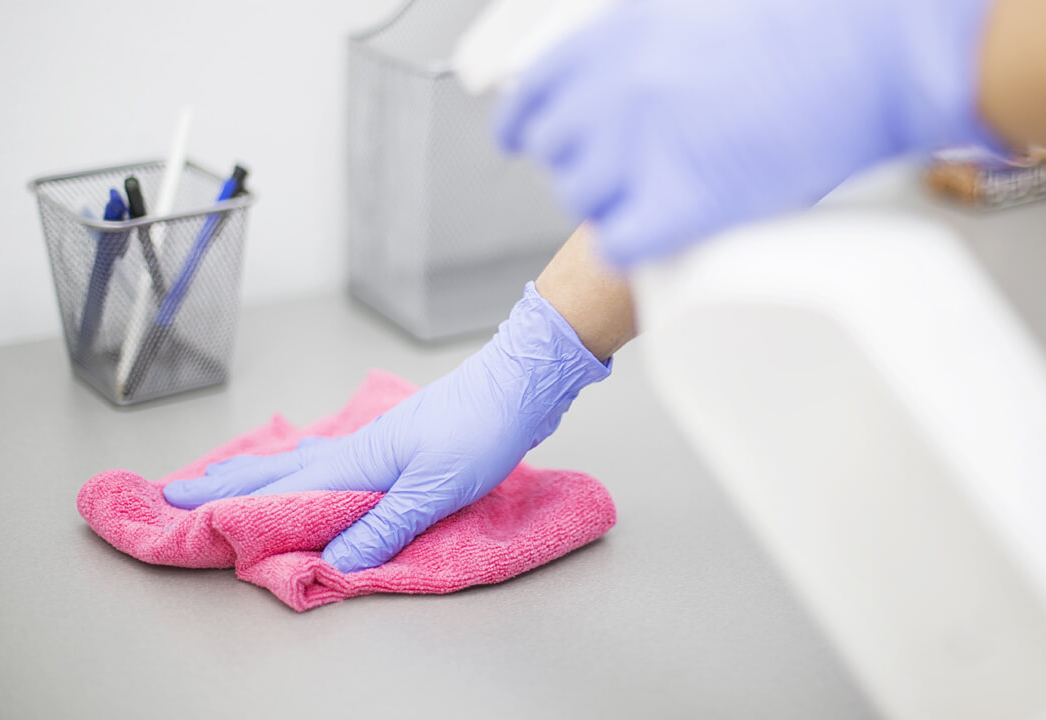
(667, 120)
(439, 450)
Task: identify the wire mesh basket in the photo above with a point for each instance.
(148, 306)
(444, 230)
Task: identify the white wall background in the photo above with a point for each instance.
(88, 83)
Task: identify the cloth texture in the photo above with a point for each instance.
(533, 517)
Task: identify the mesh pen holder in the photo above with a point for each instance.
(148, 306)
(444, 229)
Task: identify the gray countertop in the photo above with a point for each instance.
(675, 613)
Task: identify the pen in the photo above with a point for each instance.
(138, 322)
(111, 245)
(168, 310)
(136, 209)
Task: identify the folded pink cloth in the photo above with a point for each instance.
(274, 541)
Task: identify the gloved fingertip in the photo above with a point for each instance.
(508, 123)
(516, 110)
(347, 558)
(180, 494)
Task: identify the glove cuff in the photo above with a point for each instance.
(552, 363)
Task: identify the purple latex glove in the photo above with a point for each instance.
(439, 450)
(666, 120)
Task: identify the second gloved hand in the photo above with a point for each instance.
(439, 450)
(667, 120)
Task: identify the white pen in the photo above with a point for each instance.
(143, 297)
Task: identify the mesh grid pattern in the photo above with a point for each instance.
(444, 230)
(193, 350)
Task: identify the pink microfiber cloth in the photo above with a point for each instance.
(275, 541)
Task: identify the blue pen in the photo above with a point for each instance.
(168, 311)
(111, 245)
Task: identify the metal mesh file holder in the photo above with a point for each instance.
(136, 333)
(444, 229)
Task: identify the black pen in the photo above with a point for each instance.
(168, 310)
(136, 209)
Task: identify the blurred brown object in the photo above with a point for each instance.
(979, 179)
